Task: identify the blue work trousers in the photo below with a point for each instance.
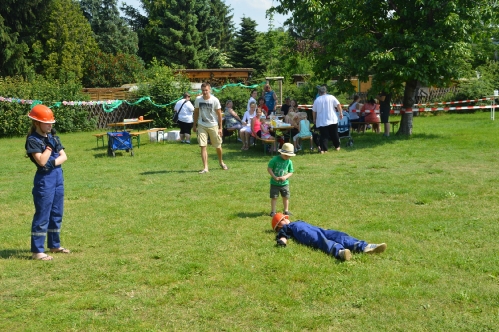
(328, 240)
(331, 242)
(48, 196)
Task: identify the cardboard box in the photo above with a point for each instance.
(173, 135)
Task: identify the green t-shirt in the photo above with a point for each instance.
(280, 167)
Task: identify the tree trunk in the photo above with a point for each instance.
(405, 127)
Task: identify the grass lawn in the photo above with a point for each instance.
(158, 247)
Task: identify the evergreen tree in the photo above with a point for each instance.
(138, 23)
(111, 31)
(246, 53)
(19, 26)
(65, 41)
(205, 28)
(221, 34)
(216, 28)
(171, 34)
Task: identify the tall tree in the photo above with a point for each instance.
(65, 41)
(285, 55)
(217, 30)
(19, 26)
(405, 43)
(184, 33)
(138, 23)
(220, 28)
(246, 48)
(112, 33)
(171, 34)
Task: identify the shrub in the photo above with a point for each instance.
(13, 115)
(107, 70)
(238, 95)
(482, 86)
(164, 87)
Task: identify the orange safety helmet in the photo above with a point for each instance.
(41, 113)
(277, 217)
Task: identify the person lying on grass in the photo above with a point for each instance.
(335, 243)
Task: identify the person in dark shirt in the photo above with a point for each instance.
(44, 149)
(285, 107)
(332, 242)
(385, 99)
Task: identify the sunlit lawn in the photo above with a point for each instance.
(158, 247)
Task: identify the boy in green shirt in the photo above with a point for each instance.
(280, 169)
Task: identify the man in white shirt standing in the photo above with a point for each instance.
(208, 123)
(325, 119)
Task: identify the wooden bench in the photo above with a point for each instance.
(232, 131)
(364, 124)
(100, 137)
(267, 141)
(136, 134)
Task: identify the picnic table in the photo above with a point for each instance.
(273, 142)
(128, 123)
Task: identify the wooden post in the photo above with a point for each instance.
(279, 79)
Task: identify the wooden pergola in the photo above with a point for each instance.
(217, 76)
(107, 93)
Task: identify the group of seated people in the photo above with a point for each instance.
(256, 123)
(364, 113)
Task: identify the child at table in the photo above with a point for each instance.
(303, 131)
(265, 128)
(265, 133)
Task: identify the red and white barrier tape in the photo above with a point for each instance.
(420, 109)
(449, 102)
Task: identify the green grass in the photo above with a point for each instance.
(158, 247)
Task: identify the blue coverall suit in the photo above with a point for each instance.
(327, 240)
(48, 196)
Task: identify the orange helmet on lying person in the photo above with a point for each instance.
(41, 113)
(277, 218)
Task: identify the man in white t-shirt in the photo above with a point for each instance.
(325, 119)
(208, 123)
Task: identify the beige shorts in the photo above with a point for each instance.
(212, 132)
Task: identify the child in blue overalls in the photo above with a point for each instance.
(47, 153)
(335, 243)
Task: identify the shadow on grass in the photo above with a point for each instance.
(15, 254)
(250, 214)
(118, 153)
(100, 155)
(169, 171)
(369, 140)
(361, 141)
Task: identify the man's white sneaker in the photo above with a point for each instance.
(375, 248)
